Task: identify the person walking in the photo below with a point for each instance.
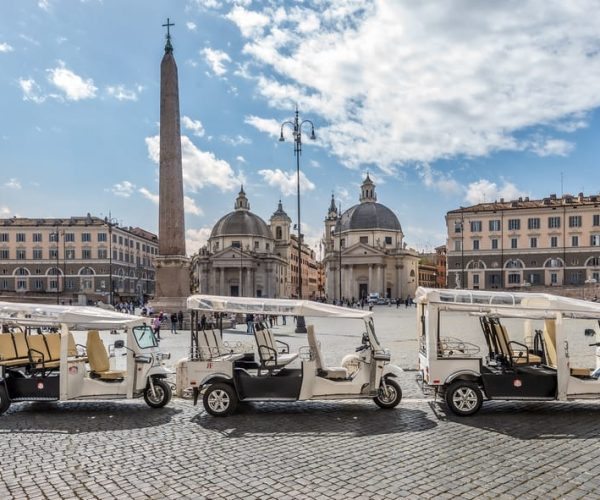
(203, 322)
(156, 327)
(174, 323)
(180, 319)
(250, 323)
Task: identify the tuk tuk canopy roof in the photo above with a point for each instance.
(279, 307)
(77, 317)
(516, 304)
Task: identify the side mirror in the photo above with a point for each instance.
(590, 332)
(119, 344)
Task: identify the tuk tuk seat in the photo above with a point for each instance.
(270, 356)
(504, 344)
(9, 356)
(337, 373)
(98, 358)
(39, 352)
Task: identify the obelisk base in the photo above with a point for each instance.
(172, 285)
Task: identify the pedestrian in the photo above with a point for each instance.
(180, 319)
(156, 327)
(406, 302)
(250, 323)
(174, 323)
(397, 302)
(203, 322)
(283, 320)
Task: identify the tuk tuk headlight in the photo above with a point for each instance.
(164, 355)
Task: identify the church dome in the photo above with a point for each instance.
(241, 221)
(368, 214)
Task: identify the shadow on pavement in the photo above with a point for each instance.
(319, 418)
(539, 420)
(80, 417)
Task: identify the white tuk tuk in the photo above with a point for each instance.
(50, 366)
(223, 376)
(536, 366)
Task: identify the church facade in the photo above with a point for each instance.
(365, 252)
(247, 257)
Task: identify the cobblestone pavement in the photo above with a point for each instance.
(300, 450)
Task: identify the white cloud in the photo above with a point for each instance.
(13, 183)
(207, 4)
(200, 168)
(122, 93)
(5, 47)
(148, 195)
(194, 125)
(191, 25)
(286, 181)
(5, 211)
(237, 140)
(216, 59)
(31, 90)
(485, 191)
(123, 189)
(196, 238)
(250, 23)
(240, 159)
(394, 82)
(268, 125)
(190, 207)
(438, 181)
(74, 86)
(44, 4)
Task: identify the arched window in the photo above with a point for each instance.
(86, 271)
(514, 264)
(553, 262)
(278, 233)
(593, 262)
(22, 271)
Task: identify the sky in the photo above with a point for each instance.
(444, 103)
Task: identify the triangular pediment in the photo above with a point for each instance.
(362, 250)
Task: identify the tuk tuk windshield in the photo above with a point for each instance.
(144, 337)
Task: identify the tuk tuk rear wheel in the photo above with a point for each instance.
(162, 395)
(390, 396)
(464, 398)
(4, 399)
(220, 399)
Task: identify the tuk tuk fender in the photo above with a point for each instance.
(392, 371)
(463, 375)
(159, 371)
(210, 379)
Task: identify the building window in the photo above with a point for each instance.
(475, 244)
(70, 254)
(458, 227)
(513, 242)
(475, 226)
(494, 243)
(457, 245)
(514, 224)
(21, 284)
(342, 242)
(553, 278)
(86, 253)
(102, 237)
(364, 239)
(38, 284)
(256, 245)
(121, 256)
(86, 237)
(595, 240)
(278, 233)
(574, 220)
(4, 254)
(69, 237)
(114, 238)
(70, 283)
(594, 262)
(476, 279)
(553, 222)
(4, 284)
(268, 246)
(120, 240)
(114, 255)
(533, 242)
(20, 237)
(388, 240)
(514, 278)
(102, 253)
(37, 253)
(574, 241)
(533, 223)
(21, 254)
(494, 225)
(4, 237)
(595, 222)
(236, 244)
(53, 236)
(37, 237)
(553, 241)
(54, 253)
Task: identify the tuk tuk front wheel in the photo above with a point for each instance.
(389, 396)
(4, 399)
(464, 398)
(161, 396)
(220, 399)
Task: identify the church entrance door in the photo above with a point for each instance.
(235, 291)
(363, 290)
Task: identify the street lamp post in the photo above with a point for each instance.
(340, 255)
(110, 222)
(296, 126)
(57, 270)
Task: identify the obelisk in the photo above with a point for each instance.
(172, 264)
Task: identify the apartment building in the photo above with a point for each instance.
(550, 242)
(76, 260)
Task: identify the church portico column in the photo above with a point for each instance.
(399, 280)
(350, 281)
(370, 278)
(222, 282)
(241, 290)
(383, 281)
(214, 280)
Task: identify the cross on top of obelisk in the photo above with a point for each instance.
(168, 46)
